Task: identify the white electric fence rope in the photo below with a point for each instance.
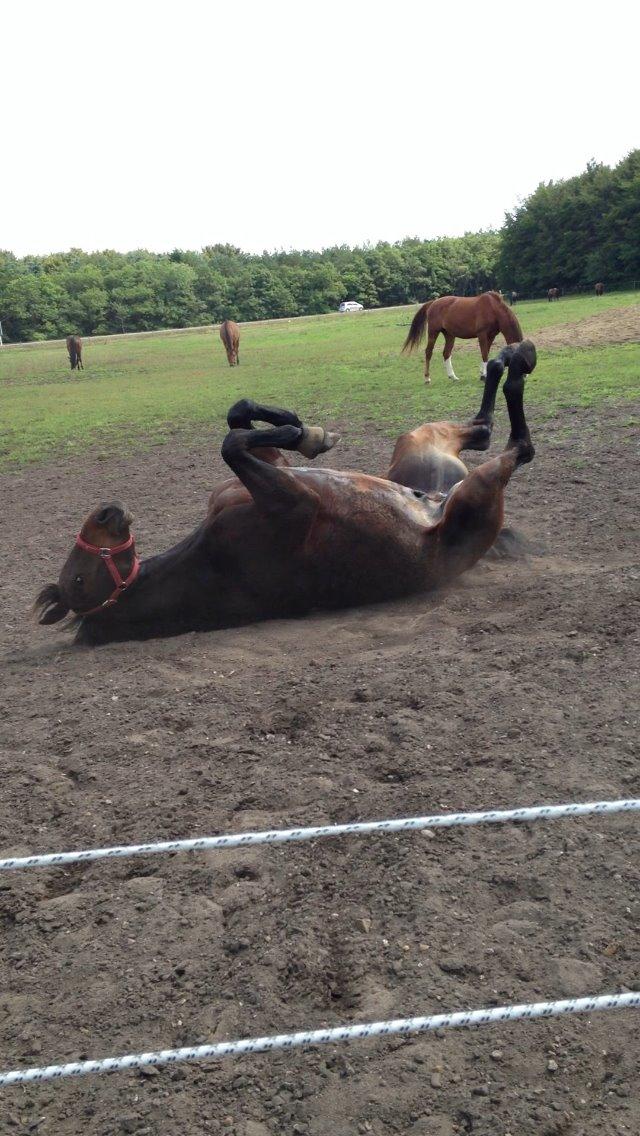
(360, 828)
(325, 1036)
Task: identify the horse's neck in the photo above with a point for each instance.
(508, 323)
(166, 584)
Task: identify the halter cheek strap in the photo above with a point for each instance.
(107, 555)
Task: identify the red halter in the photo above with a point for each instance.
(107, 555)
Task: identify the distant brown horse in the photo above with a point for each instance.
(230, 336)
(74, 347)
(599, 289)
(474, 317)
(553, 294)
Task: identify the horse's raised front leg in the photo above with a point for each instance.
(449, 341)
(474, 512)
(276, 491)
(315, 440)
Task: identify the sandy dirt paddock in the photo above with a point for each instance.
(517, 686)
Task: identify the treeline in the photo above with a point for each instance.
(567, 234)
(43, 297)
(571, 234)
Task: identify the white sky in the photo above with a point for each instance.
(144, 124)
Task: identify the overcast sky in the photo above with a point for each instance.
(299, 125)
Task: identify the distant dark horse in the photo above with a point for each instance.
(514, 298)
(553, 294)
(599, 289)
(230, 336)
(74, 347)
(469, 317)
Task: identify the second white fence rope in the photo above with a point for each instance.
(306, 1038)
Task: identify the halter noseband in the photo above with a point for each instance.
(107, 555)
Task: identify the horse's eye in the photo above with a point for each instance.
(78, 580)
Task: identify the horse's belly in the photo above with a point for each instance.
(363, 546)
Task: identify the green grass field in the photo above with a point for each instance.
(139, 391)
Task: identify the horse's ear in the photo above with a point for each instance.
(115, 518)
(49, 606)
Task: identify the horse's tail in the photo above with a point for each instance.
(417, 329)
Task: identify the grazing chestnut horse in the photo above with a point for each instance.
(553, 294)
(230, 336)
(599, 289)
(74, 347)
(283, 541)
(469, 317)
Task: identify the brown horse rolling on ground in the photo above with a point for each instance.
(599, 289)
(467, 317)
(283, 541)
(230, 336)
(553, 294)
(74, 347)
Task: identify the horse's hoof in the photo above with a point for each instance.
(331, 439)
(316, 440)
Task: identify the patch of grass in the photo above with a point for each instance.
(137, 392)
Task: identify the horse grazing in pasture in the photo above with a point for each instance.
(230, 336)
(469, 317)
(599, 289)
(74, 347)
(553, 294)
(283, 541)
(514, 298)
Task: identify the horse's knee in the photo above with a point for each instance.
(241, 414)
(235, 442)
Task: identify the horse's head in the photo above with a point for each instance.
(101, 564)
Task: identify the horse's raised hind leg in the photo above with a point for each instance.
(474, 512)
(427, 459)
(495, 371)
(449, 341)
(431, 342)
(522, 363)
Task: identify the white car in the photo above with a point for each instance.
(351, 306)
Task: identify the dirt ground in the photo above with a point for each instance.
(517, 686)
